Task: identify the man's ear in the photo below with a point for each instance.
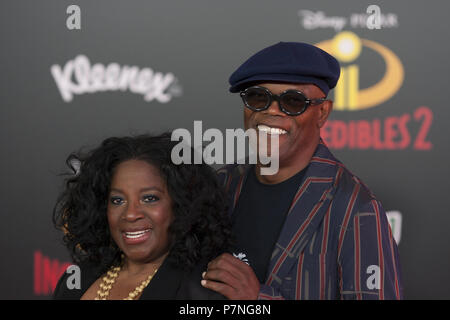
(324, 111)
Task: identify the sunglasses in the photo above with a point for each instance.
(291, 102)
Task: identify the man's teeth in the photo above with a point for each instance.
(271, 130)
(136, 234)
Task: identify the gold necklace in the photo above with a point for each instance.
(109, 279)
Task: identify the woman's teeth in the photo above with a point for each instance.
(136, 234)
(270, 130)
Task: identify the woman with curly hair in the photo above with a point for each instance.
(139, 226)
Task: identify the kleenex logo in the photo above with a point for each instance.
(79, 77)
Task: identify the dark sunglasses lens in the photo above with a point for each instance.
(293, 102)
(256, 98)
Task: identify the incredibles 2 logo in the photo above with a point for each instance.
(47, 272)
(346, 47)
(409, 130)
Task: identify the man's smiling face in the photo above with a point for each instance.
(296, 133)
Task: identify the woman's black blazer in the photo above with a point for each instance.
(169, 283)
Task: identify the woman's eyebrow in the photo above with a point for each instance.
(151, 188)
(140, 190)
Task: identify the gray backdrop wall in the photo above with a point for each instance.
(58, 93)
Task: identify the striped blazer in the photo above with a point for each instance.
(336, 242)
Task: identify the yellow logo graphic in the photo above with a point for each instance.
(346, 46)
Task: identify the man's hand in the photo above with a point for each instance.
(232, 278)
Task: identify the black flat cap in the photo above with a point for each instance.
(291, 62)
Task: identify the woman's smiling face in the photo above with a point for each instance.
(140, 211)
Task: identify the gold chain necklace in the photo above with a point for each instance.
(109, 279)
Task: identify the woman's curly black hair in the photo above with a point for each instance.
(200, 230)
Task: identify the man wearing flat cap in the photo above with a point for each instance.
(312, 230)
